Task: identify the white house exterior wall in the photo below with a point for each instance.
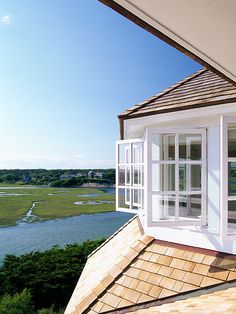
(209, 118)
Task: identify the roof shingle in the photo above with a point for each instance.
(203, 88)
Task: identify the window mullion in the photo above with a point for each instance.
(177, 177)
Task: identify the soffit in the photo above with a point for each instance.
(203, 29)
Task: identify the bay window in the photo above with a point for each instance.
(167, 180)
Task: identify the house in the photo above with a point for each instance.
(91, 174)
(98, 175)
(176, 171)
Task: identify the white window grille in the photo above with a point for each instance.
(228, 177)
(129, 175)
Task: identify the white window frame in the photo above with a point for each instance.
(148, 176)
(224, 160)
(130, 186)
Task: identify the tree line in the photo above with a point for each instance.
(57, 177)
(42, 282)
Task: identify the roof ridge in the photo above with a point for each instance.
(164, 92)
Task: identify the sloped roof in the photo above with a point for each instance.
(106, 263)
(133, 270)
(203, 88)
(212, 302)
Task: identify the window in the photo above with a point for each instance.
(228, 177)
(175, 176)
(130, 175)
(177, 179)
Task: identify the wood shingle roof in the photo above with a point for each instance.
(203, 88)
(133, 270)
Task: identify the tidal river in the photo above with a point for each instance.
(27, 237)
(43, 235)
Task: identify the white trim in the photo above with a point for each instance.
(224, 160)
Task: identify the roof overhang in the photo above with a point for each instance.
(202, 29)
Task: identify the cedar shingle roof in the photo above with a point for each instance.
(203, 88)
(132, 270)
(211, 302)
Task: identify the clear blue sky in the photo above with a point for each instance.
(67, 68)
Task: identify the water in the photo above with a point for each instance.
(40, 236)
(43, 235)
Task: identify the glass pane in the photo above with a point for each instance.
(190, 206)
(195, 174)
(138, 175)
(168, 147)
(190, 146)
(232, 213)
(124, 153)
(127, 196)
(123, 175)
(163, 207)
(137, 153)
(189, 177)
(137, 198)
(183, 177)
(163, 147)
(232, 140)
(122, 201)
(232, 178)
(163, 177)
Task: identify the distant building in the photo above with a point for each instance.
(98, 175)
(91, 174)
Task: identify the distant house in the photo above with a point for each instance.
(91, 174)
(98, 175)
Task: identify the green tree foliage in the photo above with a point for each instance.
(19, 303)
(50, 276)
(55, 177)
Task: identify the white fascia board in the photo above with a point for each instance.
(204, 114)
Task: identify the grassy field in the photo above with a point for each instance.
(55, 202)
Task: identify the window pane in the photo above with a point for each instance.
(232, 178)
(232, 140)
(124, 153)
(195, 174)
(190, 147)
(189, 177)
(163, 177)
(137, 175)
(137, 198)
(127, 196)
(232, 212)
(163, 147)
(182, 177)
(137, 152)
(163, 207)
(123, 175)
(122, 202)
(190, 206)
(168, 147)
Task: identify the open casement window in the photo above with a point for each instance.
(130, 176)
(176, 177)
(228, 177)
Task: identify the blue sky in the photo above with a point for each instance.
(68, 67)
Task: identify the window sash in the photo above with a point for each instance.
(178, 194)
(225, 198)
(133, 191)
